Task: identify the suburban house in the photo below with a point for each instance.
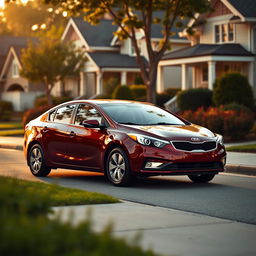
(13, 87)
(107, 56)
(225, 43)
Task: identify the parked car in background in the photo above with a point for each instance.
(123, 139)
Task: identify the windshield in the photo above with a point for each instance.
(139, 114)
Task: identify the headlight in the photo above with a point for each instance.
(220, 140)
(148, 141)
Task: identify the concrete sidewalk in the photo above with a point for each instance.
(240, 163)
(168, 231)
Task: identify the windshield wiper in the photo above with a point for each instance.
(129, 123)
(162, 123)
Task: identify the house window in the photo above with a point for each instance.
(15, 69)
(224, 33)
(205, 74)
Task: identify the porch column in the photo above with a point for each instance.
(160, 79)
(184, 77)
(211, 74)
(82, 84)
(251, 74)
(123, 78)
(194, 77)
(99, 87)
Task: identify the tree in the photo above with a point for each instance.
(51, 60)
(134, 15)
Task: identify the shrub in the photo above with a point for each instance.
(101, 96)
(42, 100)
(171, 91)
(122, 92)
(162, 98)
(6, 110)
(232, 123)
(138, 91)
(192, 99)
(110, 86)
(233, 87)
(33, 113)
(138, 80)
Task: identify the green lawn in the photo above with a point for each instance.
(244, 148)
(57, 195)
(11, 129)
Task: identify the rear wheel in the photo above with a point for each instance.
(36, 162)
(117, 168)
(201, 178)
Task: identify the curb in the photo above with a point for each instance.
(236, 169)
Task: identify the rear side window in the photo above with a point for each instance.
(51, 115)
(64, 114)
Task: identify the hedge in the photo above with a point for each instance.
(6, 110)
(230, 122)
(122, 92)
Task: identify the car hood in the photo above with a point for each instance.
(176, 132)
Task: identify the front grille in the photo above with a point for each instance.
(194, 166)
(188, 146)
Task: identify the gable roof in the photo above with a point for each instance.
(114, 60)
(99, 35)
(208, 49)
(7, 41)
(247, 8)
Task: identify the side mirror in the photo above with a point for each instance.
(92, 124)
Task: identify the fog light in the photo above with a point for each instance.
(153, 165)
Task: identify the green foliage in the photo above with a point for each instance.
(19, 18)
(233, 87)
(122, 92)
(51, 60)
(26, 228)
(102, 96)
(171, 91)
(138, 91)
(192, 99)
(6, 110)
(109, 86)
(250, 148)
(233, 123)
(138, 80)
(42, 100)
(162, 98)
(34, 113)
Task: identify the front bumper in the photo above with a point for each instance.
(176, 162)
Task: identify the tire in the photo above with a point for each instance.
(201, 178)
(117, 168)
(36, 162)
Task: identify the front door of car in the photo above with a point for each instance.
(86, 146)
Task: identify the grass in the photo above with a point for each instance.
(250, 148)
(10, 125)
(57, 195)
(12, 132)
(11, 129)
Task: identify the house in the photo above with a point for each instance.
(13, 87)
(106, 56)
(225, 43)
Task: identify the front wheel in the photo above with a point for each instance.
(36, 162)
(117, 168)
(201, 178)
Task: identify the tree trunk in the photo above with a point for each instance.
(48, 94)
(151, 83)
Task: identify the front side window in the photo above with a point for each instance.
(86, 112)
(64, 114)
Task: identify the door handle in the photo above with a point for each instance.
(45, 129)
(72, 134)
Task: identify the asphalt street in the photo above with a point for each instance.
(231, 197)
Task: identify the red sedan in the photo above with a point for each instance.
(123, 139)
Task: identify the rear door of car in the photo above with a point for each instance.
(55, 134)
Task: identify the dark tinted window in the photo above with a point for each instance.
(140, 114)
(64, 114)
(86, 112)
